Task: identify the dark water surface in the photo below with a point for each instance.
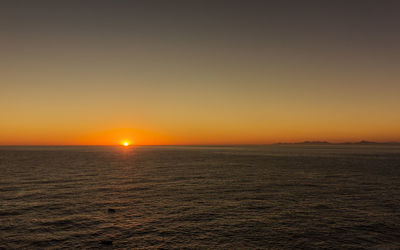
(200, 197)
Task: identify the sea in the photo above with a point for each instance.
(200, 197)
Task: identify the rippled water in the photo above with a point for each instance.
(200, 197)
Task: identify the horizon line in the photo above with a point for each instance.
(213, 144)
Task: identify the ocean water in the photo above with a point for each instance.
(280, 197)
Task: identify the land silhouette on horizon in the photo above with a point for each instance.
(362, 142)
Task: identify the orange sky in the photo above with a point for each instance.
(153, 74)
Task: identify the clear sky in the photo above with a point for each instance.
(198, 72)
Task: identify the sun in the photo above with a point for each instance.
(126, 144)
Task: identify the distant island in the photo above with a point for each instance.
(363, 142)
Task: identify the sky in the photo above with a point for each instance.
(198, 72)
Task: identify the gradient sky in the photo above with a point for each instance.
(198, 72)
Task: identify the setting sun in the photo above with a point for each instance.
(126, 144)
